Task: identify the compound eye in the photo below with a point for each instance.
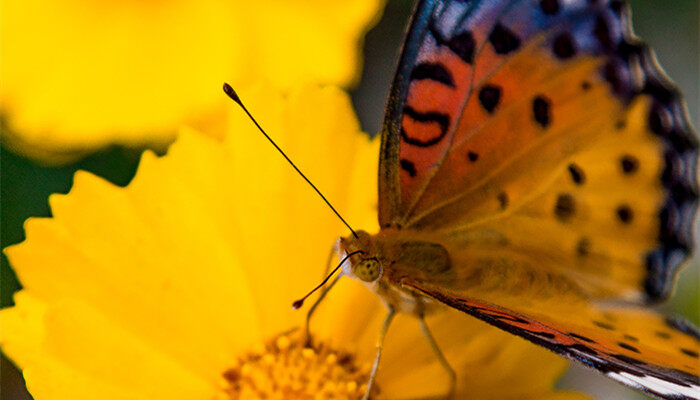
(368, 270)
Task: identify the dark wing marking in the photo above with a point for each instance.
(630, 369)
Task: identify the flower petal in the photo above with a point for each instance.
(285, 223)
(92, 367)
(75, 80)
(151, 262)
(189, 265)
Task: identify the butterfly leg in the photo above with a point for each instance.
(313, 307)
(325, 291)
(441, 357)
(329, 260)
(380, 344)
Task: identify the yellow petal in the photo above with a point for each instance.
(183, 280)
(80, 75)
(93, 365)
(315, 40)
(288, 229)
(170, 266)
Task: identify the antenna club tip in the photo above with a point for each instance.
(231, 93)
(297, 304)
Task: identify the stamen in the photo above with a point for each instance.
(288, 369)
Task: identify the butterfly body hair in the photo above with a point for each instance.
(397, 255)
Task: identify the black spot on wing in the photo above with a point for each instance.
(565, 207)
(463, 44)
(601, 31)
(549, 7)
(503, 39)
(691, 353)
(489, 97)
(629, 164)
(663, 93)
(577, 174)
(583, 247)
(611, 74)
(628, 347)
(604, 325)
(662, 335)
(563, 46)
(503, 200)
(660, 121)
(434, 72)
(630, 338)
(442, 120)
(540, 110)
(625, 214)
(408, 166)
(581, 337)
(472, 156)
(617, 6)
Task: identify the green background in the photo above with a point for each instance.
(671, 27)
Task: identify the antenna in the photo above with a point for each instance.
(297, 304)
(232, 94)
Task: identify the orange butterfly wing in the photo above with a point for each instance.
(548, 126)
(542, 145)
(637, 347)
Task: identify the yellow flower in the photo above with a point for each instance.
(179, 285)
(78, 75)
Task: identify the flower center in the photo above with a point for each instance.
(288, 368)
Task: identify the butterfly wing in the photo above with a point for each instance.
(637, 347)
(544, 127)
(539, 142)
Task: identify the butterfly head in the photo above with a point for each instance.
(364, 265)
(367, 270)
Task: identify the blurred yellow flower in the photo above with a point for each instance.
(78, 75)
(179, 285)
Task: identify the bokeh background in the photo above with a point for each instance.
(670, 26)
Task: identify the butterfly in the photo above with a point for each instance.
(538, 172)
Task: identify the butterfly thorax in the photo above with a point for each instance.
(385, 259)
